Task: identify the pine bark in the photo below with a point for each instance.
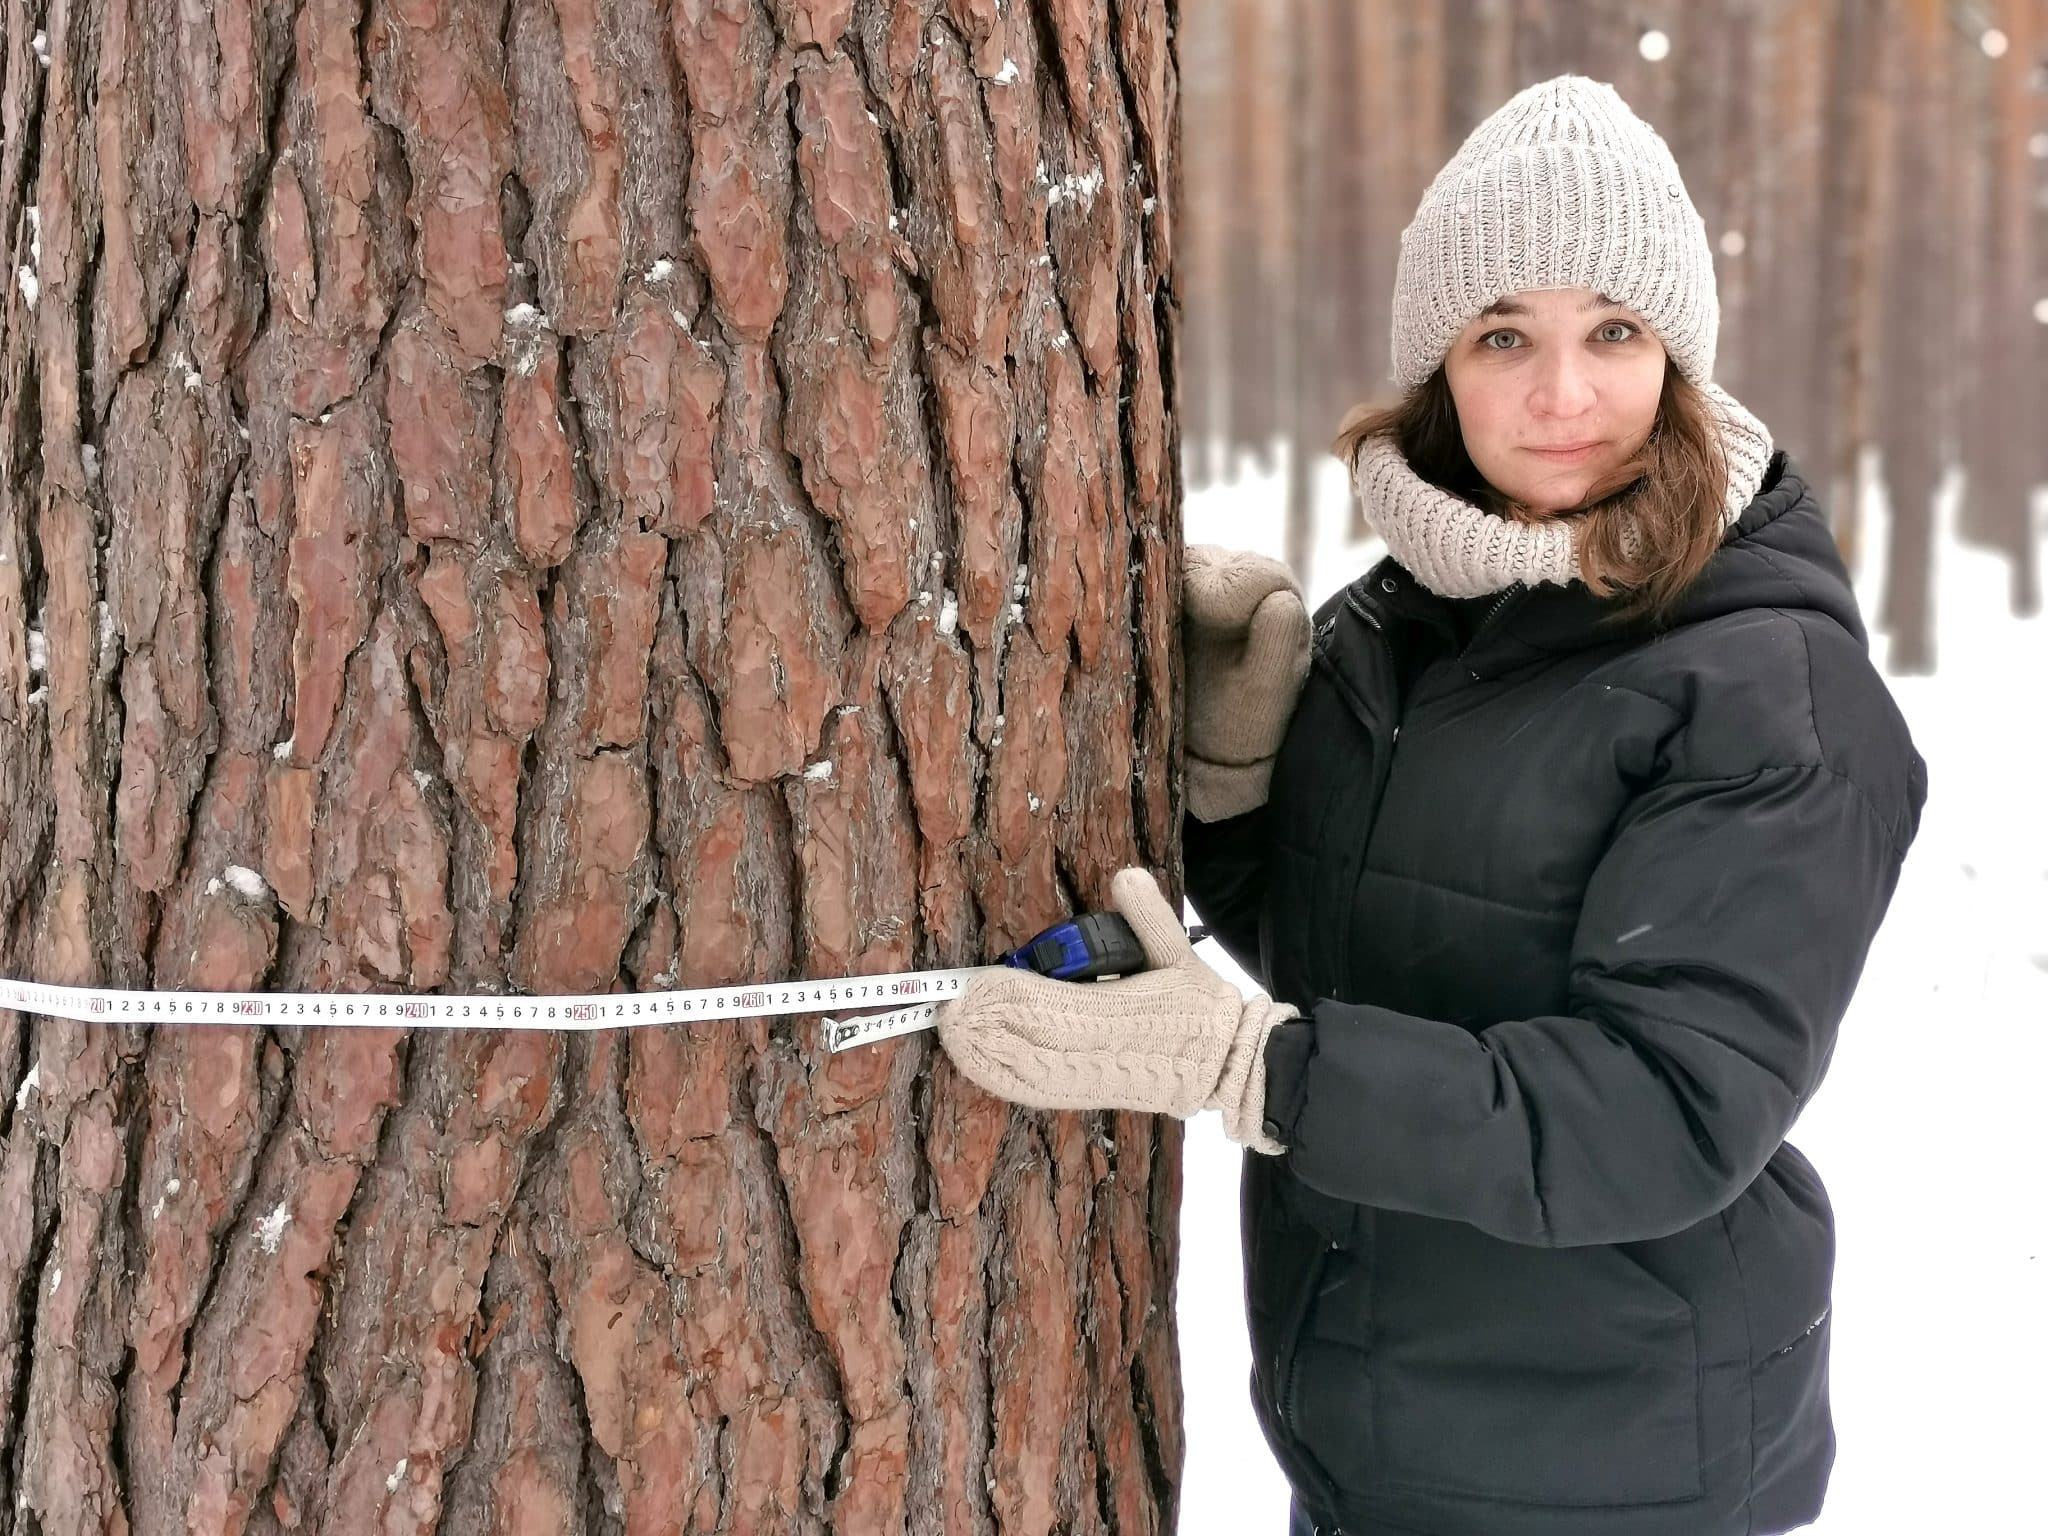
(557, 497)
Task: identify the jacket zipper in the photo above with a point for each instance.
(1380, 629)
(1806, 1334)
(1507, 594)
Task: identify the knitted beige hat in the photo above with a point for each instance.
(1562, 187)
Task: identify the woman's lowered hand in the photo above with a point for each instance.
(1170, 1040)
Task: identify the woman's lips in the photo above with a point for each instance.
(1565, 455)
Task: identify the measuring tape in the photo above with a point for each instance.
(1080, 948)
(442, 1010)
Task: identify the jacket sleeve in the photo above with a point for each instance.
(1226, 880)
(1720, 940)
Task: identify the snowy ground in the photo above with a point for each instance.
(1927, 1130)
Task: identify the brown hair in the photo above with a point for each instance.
(1674, 486)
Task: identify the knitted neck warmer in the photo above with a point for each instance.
(1456, 549)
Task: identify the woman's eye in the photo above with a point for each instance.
(1627, 330)
(1487, 340)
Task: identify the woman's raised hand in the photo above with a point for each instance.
(1245, 652)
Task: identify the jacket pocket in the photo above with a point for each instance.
(1558, 1376)
(1794, 1431)
(1782, 1233)
(1276, 1386)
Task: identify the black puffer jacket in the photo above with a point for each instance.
(1571, 918)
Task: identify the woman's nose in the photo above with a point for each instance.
(1562, 388)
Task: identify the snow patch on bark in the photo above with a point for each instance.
(526, 323)
(247, 881)
(1075, 188)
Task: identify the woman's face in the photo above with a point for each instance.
(1552, 368)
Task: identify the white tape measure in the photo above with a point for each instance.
(441, 1010)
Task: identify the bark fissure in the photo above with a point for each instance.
(817, 1353)
(28, 1294)
(272, 1107)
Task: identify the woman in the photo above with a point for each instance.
(1560, 865)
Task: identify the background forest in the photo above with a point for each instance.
(1873, 175)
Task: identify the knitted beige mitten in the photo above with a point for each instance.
(1170, 1040)
(1245, 653)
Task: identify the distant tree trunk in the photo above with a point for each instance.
(1790, 112)
(1478, 73)
(1255, 202)
(2004, 454)
(1351, 224)
(1737, 188)
(1201, 251)
(1305, 301)
(563, 499)
(1913, 389)
(1857, 148)
(1421, 145)
(1381, 156)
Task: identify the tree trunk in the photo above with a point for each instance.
(2003, 453)
(1202, 328)
(566, 498)
(1913, 388)
(1305, 295)
(1857, 147)
(1255, 234)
